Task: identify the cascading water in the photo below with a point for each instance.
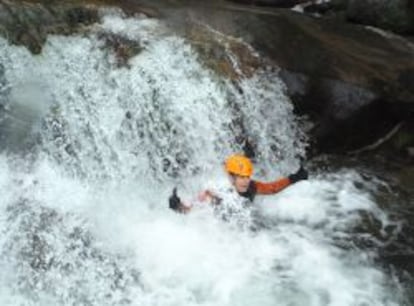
(91, 151)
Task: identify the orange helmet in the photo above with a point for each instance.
(239, 165)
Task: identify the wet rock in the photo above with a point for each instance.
(29, 23)
(355, 83)
(123, 48)
(225, 55)
(79, 15)
(319, 8)
(274, 3)
(394, 15)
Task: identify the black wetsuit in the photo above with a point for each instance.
(251, 191)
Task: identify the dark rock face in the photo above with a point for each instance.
(355, 83)
(274, 3)
(394, 15)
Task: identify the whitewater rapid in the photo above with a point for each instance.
(91, 151)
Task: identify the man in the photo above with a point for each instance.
(240, 169)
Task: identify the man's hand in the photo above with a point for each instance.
(177, 205)
(174, 201)
(301, 174)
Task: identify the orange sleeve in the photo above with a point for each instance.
(272, 187)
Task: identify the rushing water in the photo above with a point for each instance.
(90, 152)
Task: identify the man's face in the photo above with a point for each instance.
(241, 183)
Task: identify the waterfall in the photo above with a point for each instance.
(90, 151)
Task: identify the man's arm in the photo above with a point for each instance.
(272, 187)
(278, 185)
(176, 204)
(205, 196)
